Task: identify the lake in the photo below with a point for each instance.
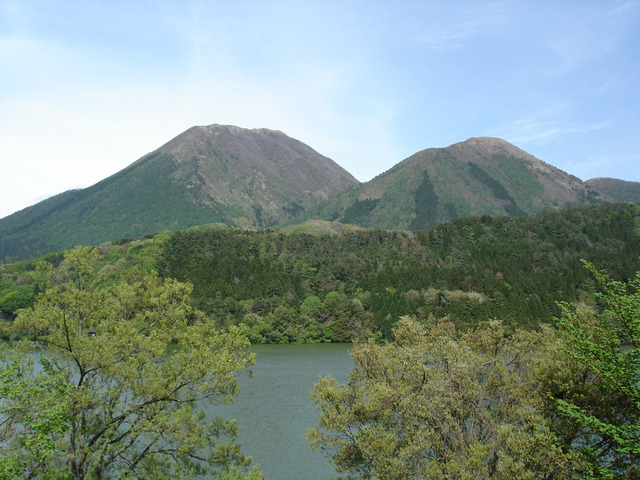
(274, 410)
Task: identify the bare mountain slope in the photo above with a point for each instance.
(264, 168)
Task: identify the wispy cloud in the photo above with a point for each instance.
(577, 38)
(527, 131)
(605, 166)
(453, 29)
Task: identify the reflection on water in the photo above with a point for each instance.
(274, 410)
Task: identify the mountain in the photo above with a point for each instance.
(263, 178)
(481, 176)
(208, 174)
(619, 190)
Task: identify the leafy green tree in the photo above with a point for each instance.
(312, 307)
(440, 405)
(609, 346)
(129, 368)
(38, 404)
(20, 297)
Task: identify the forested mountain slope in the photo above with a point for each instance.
(297, 287)
(294, 287)
(226, 174)
(481, 176)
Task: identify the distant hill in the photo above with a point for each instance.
(619, 190)
(481, 176)
(225, 174)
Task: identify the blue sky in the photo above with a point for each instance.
(88, 87)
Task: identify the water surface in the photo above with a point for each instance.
(274, 410)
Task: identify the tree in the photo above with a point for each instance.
(438, 404)
(129, 369)
(609, 346)
(19, 297)
(38, 405)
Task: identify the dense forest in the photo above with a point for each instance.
(305, 287)
(301, 287)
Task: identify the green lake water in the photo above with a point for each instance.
(274, 410)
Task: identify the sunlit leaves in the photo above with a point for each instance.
(139, 366)
(439, 404)
(608, 344)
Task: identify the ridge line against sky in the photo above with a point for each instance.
(88, 87)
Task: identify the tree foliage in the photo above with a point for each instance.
(438, 404)
(609, 345)
(472, 269)
(515, 269)
(34, 415)
(126, 370)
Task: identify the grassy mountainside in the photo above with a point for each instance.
(618, 190)
(482, 176)
(334, 284)
(246, 178)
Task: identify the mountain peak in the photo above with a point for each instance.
(216, 127)
(616, 190)
(475, 141)
(253, 178)
(491, 144)
(207, 174)
(479, 176)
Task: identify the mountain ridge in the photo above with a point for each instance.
(617, 190)
(257, 178)
(482, 175)
(207, 174)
